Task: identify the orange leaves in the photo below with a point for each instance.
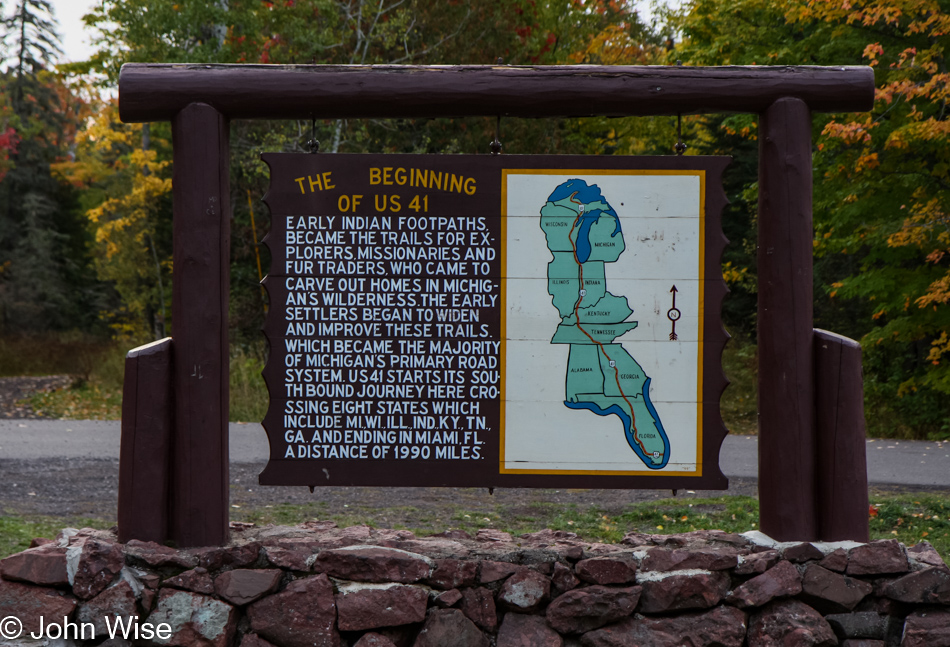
(871, 52)
(614, 45)
(853, 132)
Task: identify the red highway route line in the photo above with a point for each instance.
(577, 305)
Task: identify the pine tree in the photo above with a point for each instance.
(42, 244)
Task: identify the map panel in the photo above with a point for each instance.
(584, 239)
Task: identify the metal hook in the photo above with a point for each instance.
(679, 147)
(495, 145)
(313, 144)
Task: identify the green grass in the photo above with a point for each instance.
(248, 390)
(74, 354)
(98, 392)
(739, 403)
(16, 533)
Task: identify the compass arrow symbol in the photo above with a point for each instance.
(673, 314)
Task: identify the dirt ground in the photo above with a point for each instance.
(76, 488)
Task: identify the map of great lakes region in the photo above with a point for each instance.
(583, 233)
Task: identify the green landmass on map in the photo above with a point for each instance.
(583, 234)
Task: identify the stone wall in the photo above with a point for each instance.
(320, 585)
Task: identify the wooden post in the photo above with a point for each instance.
(146, 446)
(842, 452)
(787, 470)
(202, 238)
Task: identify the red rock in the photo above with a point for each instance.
(116, 642)
(636, 539)
(548, 536)
(927, 628)
(447, 599)
(374, 564)
(453, 534)
(245, 586)
(607, 570)
(831, 592)
(115, 602)
(45, 565)
(677, 559)
(478, 605)
(453, 573)
(925, 554)
(585, 609)
(678, 591)
(519, 630)
(492, 535)
(572, 553)
(289, 559)
(525, 592)
(374, 640)
(801, 553)
(563, 578)
(450, 628)
(433, 547)
(97, 564)
(370, 606)
(302, 615)
(930, 586)
(195, 619)
(866, 624)
(493, 571)
(757, 563)
(720, 627)
(240, 556)
(319, 526)
(883, 557)
(157, 555)
(836, 561)
(147, 599)
(30, 603)
(359, 533)
(36, 542)
(782, 580)
(253, 640)
(787, 623)
(196, 580)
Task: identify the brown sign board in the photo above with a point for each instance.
(495, 321)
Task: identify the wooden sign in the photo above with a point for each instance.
(535, 321)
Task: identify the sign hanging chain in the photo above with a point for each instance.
(495, 145)
(680, 146)
(313, 144)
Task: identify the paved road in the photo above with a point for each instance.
(904, 463)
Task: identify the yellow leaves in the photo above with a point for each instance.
(734, 275)
(866, 162)
(939, 348)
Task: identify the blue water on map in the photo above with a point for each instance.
(627, 424)
(585, 194)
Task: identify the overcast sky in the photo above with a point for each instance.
(69, 15)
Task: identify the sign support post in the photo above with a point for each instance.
(202, 241)
(787, 476)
